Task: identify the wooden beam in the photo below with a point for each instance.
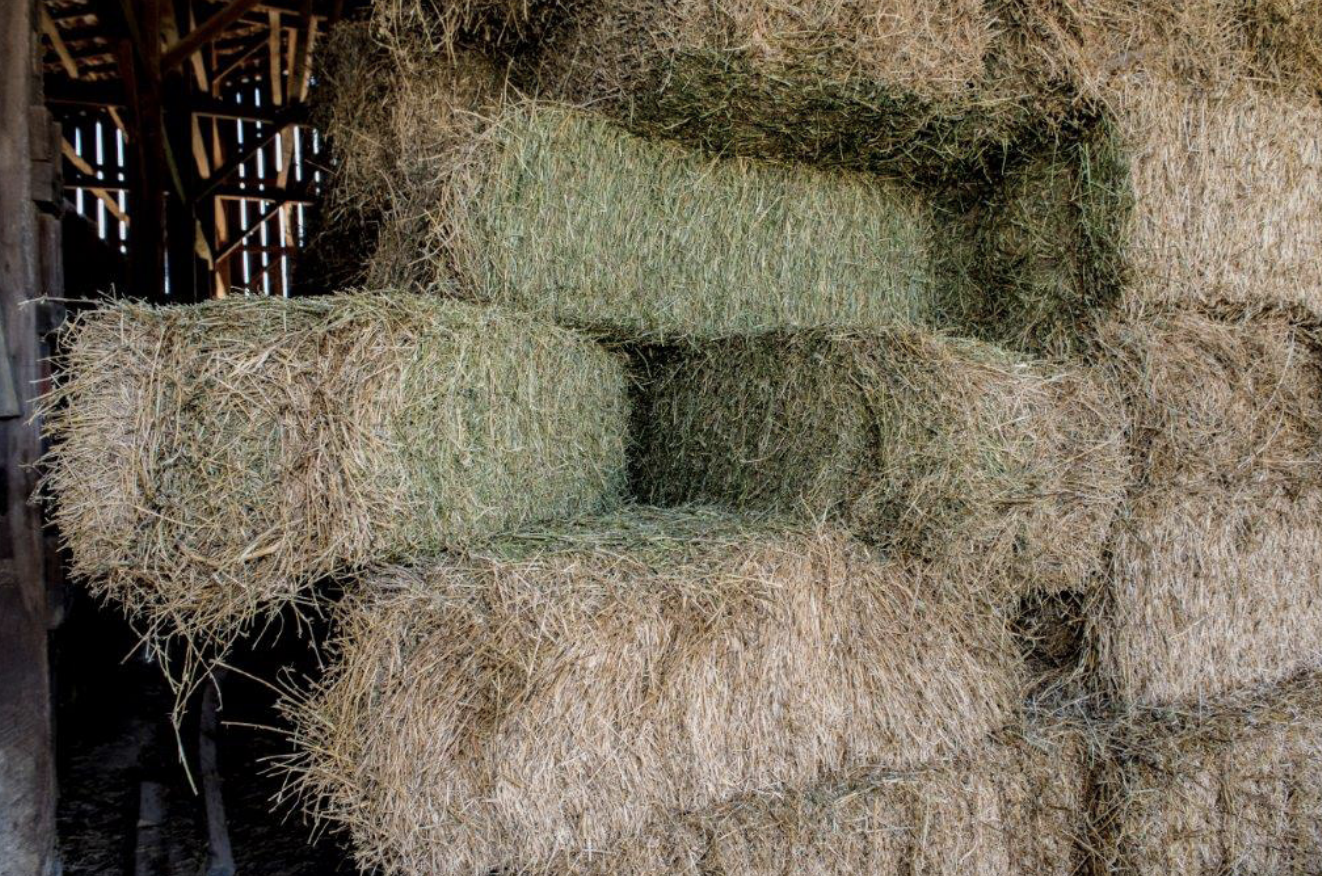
(52, 32)
(254, 45)
(287, 117)
(91, 183)
(300, 72)
(205, 32)
(27, 775)
(220, 854)
(274, 74)
(266, 215)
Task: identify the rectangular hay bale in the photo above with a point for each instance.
(1236, 789)
(554, 694)
(1012, 806)
(1180, 190)
(1007, 469)
(567, 215)
(1217, 557)
(211, 461)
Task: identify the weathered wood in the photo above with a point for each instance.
(52, 33)
(27, 786)
(220, 856)
(205, 32)
(149, 852)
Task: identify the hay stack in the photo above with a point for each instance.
(1216, 564)
(930, 446)
(1009, 807)
(211, 461)
(556, 693)
(1237, 789)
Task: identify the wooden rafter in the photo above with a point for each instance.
(205, 32)
(52, 33)
(91, 183)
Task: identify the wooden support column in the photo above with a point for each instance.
(27, 780)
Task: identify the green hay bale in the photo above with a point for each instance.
(1217, 556)
(548, 697)
(1234, 787)
(928, 446)
(211, 462)
(568, 216)
(1013, 806)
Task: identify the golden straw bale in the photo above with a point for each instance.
(1235, 787)
(556, 693)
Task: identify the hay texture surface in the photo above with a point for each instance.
(1006, 469)
(1200, 181)
(1009, 807)
(527, 705)
(211, 461)
(916, 91)
(1237, 789)
(1217, 560)
(567, 215)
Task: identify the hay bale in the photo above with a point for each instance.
(522, 704)
(394, 126)
(1206, 42)
(1188, 185)
(924, 445)
(1217, 556)
(1235, 789)
(1012, 806)
(212, 461)
(917, 91)
(559, 212)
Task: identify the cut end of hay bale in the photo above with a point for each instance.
(1237, 788)
(923, 445)
(558, 692)
(211, 461)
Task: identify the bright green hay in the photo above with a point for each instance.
(574, 219)
(929, 446)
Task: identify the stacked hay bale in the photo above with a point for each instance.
(1208, 635)
(1005, 469)
(847, 247)
(1199, 182)
(555, 698)
(212, 462)
(1230, 788)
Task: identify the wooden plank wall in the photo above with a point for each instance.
(27, 781)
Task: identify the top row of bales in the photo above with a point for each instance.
(1023, 170)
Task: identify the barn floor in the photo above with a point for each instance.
(116, 751)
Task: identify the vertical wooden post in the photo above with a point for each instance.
(27, 784)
